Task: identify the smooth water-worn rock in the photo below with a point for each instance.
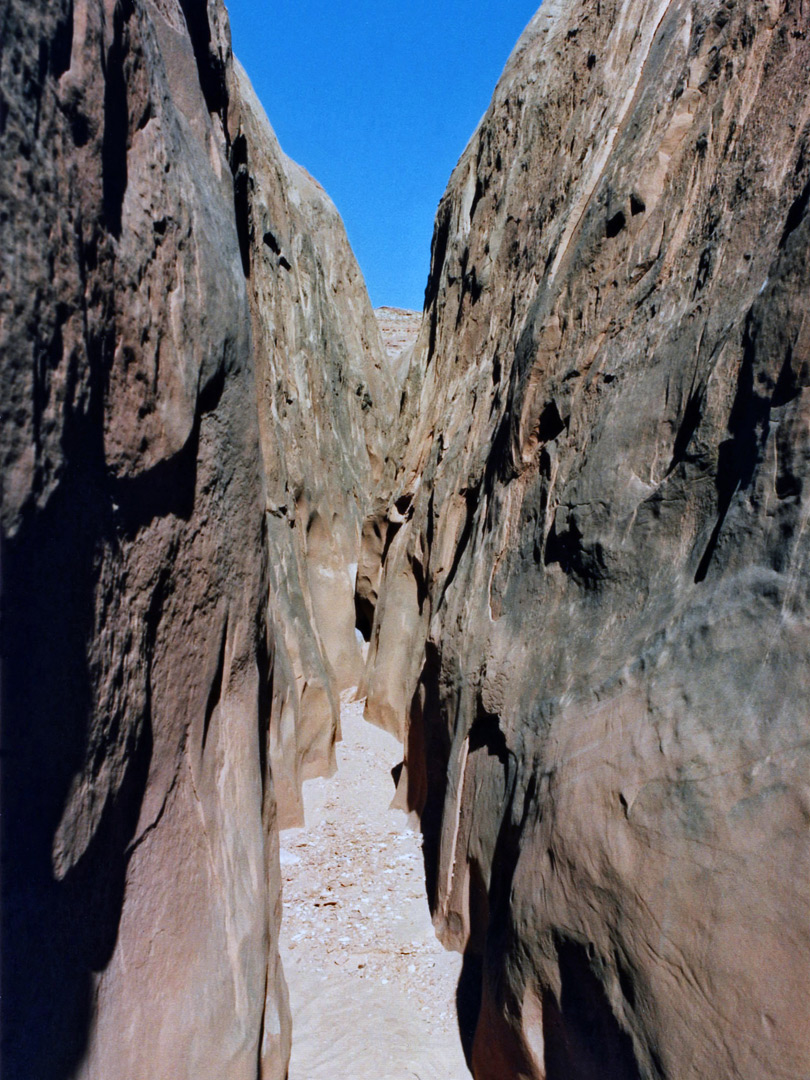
(192, 386)
(592, 620)
(582, 565)
(140, 870)
(326, 408)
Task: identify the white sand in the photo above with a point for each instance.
(371, 989)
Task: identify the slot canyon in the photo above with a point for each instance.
(550, 538)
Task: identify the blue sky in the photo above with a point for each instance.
(377, 101)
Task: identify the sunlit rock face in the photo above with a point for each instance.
(399, 329)
(593, 616)
(178, 457)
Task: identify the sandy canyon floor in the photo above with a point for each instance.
(373, 993)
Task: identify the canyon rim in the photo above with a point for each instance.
(570, 521)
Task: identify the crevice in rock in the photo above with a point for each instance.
(210, 66)
(471, 498)
(364, 615)
(797, 211)
(215, 691)
(116, 121)
(358, 944)
(427, 755)
(692, 415)
(241, 199)
(737, 456)
(583, 1039)
(438, 255)
(468, 1001)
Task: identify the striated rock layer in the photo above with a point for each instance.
(189, 361)
(592, 623)
(399, 329)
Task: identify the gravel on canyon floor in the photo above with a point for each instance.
(372, 992)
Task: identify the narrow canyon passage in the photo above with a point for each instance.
(565, 505)
(372, 992)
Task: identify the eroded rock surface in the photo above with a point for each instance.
(593, 615)
(326, 408)
(582, 567)
(140, 871)
(192, 383)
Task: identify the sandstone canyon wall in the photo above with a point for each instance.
(581, 560)
(326, 408)
(592, 623)
(192, 386)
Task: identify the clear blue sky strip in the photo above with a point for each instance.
(378, 101)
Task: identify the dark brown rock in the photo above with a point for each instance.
(161, 258)
(593, 618)
(140, 867)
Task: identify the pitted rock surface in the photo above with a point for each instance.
(592, 624)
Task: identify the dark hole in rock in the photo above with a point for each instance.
(364, 616)
(797, 211)
(615, 224)
(485, 733)
(692, 415)
(582, 1036)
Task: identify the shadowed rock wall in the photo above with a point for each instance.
(326, 409)
(593, 617)
(140, 878)
(169, 410)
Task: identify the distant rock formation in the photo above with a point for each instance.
(592, 622)
(194, 397)
(399, 329)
